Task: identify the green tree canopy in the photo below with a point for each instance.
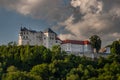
(115, 48)
(37, 63)
(41, 70)
(95, 42)
(73, 77)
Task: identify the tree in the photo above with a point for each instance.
(56, 49)
(115, 48)
(95, 42)
(12, 69)
(41, 70)
(1, 69)
(18, 75)
(56, 52)
(73, 77)
(46, 56)
(14, 74)
(12, 43)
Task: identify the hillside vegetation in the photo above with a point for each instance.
(39, 63)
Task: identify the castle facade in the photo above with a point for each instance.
(48, 38)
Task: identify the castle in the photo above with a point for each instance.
(48, 38)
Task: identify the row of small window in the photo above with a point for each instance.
(22, 33)
(80, 49)
(25, 37)
(67, 48)
(50, 38)
(39, 37)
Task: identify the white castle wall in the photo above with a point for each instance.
(28, 37)
(77, 48)
(47, 39)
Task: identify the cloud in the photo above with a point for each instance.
(76, 19)
(87, 6)
(42, 9)
(96, 17)
(115, 11)
(115, 34)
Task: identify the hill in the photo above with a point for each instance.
(39, 63)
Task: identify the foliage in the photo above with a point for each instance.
(19, 75)
(41, 70)
(39, 63)
(95, 42)
(115, 47)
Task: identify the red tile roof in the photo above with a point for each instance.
(75, 42)
(86, 42)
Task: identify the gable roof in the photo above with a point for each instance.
(32, 31)
(49, 30)
(57, 38)
(24, 29)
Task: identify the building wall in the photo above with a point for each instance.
(58, 42)
(76, 48)
(48, 39)
(31, 38)
(87, 48)
(107, 50)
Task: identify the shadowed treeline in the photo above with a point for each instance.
(39, 63)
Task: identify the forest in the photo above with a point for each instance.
(39, 63)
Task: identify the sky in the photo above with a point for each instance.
(70, 19)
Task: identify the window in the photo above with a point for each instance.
(26, 37)
(23, 32)
(26, 32)
(52, 38)
(23, 37)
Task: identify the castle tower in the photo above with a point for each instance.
(49, 38)
(23, 38)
